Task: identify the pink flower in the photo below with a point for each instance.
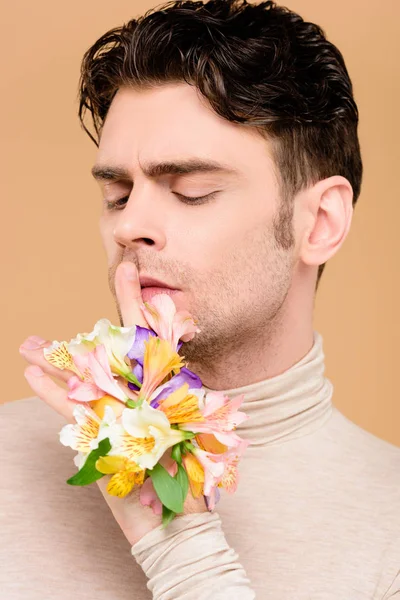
(220, 470)
(97, 378)
(221, 418)
(162, 317)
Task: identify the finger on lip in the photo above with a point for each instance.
(129, 296)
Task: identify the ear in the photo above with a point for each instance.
(330, 212)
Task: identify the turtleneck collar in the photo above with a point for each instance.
(289, 405)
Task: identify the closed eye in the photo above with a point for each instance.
(196, 200)
(121, 202)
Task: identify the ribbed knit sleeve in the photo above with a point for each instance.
(191, 560)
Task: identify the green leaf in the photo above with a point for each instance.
(167, 515)
(167, 488)
(88, 473)
(183, 480)
(176, 453)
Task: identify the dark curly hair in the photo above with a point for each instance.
(261, 65)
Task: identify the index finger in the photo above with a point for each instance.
(129, 294)
(55, 396)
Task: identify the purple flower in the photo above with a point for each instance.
(138, 372)
(177, 381)
(137, 350)
(208, 499)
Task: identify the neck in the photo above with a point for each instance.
(281, 344)
(292, 404)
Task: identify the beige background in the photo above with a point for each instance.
(54, 274)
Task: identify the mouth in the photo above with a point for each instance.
(146, 282)
(150, 291)
(151, 286)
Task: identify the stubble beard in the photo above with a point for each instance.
(247, 313)
(229, 328)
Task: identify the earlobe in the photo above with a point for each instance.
(331, 214)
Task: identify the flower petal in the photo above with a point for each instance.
(121, 484)
(136, 352)
(110, 464)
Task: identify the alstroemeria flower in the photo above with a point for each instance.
(195, 472)
(117, 342)
(98, 379)
(159, 361)
(144, 435)
(181, 407)
(57, 354)
(136, 352)
(221, 417)
(169, 324)
(125, 474)
(185, 376)
(209, 443)
(162, 391)
(214, 476)
(89, 430)
(213, 468)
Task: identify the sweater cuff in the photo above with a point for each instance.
(191, 560)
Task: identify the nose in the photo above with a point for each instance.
(142, 220)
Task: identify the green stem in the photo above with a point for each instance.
(131, 377)
(134, 403)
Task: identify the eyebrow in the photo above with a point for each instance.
(153, 170)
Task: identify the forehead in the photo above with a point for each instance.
(172, 122)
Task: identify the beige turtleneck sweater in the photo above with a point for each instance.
(315, 517)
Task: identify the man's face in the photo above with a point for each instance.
(222, 252)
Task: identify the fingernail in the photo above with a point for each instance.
(38, 339)
(35, 371)
(31, 344)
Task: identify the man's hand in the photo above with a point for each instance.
(134, 519)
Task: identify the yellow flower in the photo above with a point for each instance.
(159, 361)
(195, 473)
(59, 356)
(181, 407)
(125, 474)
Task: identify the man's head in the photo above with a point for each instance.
(263, 95)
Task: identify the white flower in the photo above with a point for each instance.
(144, 436)
(88, 431)
(116, 340)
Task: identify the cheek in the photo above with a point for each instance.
(106, 227)
(218, 238)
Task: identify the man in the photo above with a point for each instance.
(230, 164)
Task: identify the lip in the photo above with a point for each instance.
(149, 292)
(146, 282)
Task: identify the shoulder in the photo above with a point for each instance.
(367, 461)
(365, 444)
